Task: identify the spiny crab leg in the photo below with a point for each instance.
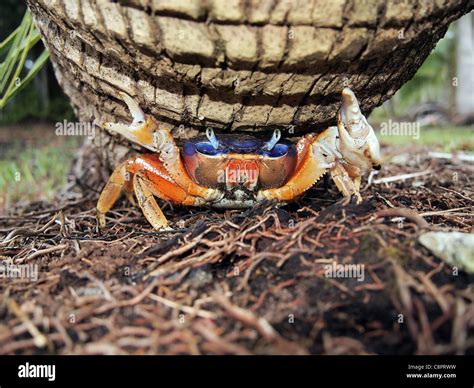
(145, 177)
(151, 210)
(144, 130)
(111, 192)
(344, 183)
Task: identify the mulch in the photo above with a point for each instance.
(246, 282)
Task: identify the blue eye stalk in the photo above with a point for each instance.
(273, 141)
(239, 144)
(212, 138)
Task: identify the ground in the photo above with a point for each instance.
(225, 282)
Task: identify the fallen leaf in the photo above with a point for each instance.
(456, 248)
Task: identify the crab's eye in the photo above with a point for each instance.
(269, 145)
(212, 138)
(278, 150)
(207, 149)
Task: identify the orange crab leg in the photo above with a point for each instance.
(147, 202)
(150, 178)
(146, 176)
(160, 182)
(112, 191)
(308, 171)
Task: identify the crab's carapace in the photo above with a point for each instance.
(239, 159)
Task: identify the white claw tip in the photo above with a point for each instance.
(137, 113)
(348, 94)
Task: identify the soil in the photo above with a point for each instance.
(233, 282)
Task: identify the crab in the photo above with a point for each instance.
(236, 170)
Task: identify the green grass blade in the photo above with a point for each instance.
(15, 49)
(13, 53)
(18, 69)
(38, 64)
(8, 40)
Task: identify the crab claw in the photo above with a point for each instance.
(351, 116)
(140, 131)
(135, 110)
(358, 143)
